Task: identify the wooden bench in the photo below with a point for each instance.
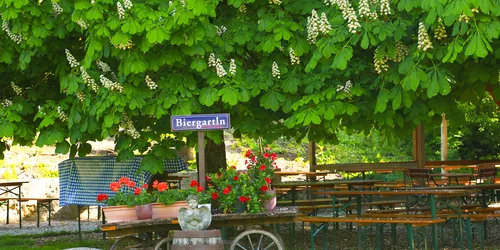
(311, 208)
(308, 202)
(40, 202)
(408, 222)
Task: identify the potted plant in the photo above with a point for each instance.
(168, 201)
(122, 205)
(204, 199)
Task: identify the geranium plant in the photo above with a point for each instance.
(196, 189)
(167, 196)
(127, 193)
(250, 187)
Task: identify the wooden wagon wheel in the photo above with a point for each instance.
(257, 240)
(163, 244)
(126, 242)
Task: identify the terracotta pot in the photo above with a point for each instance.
(144, 212)
(270, 204)
(119, 213)
(163, 211)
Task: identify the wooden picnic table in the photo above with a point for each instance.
(307, 174)
(450, 176)
(9, 187)
(147, 227)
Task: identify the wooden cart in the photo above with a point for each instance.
(256, 233)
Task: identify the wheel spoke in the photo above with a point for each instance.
(242, 247)
(270, 245)
(250, 241)
(260, 241)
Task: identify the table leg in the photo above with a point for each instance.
(293, 195)
(20, 208)
(433, 226)
(7, 219)
(79, 224)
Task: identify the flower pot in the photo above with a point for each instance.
(270, 205)
(240, 207)
(119, 213)
(163, 211)
(144, 212)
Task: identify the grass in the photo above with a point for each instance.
(54, 240)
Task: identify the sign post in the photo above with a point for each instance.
(200, 123)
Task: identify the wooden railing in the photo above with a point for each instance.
(401, 166)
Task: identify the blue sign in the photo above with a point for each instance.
(200, 122)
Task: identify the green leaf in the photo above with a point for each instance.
(157, 35)
(199, 7)
(131, 26)
(433, 88)
(341, 58)
(382, 100)
(365, 42)
(208, 96)
(290, 85)
(6, 128)
(47, 121)
(311, 116)
(198, 64)
(272, 100)
(398, 98)
(444, 84)
(407, 99)
(94, 14)
(282, 33)
(152, 164)
(84, 149)
(229, 95)
(62, 147)
(109, 120)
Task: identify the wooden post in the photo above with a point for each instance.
(419, 145)
(312, 158)
(444, 140)
(201, 158)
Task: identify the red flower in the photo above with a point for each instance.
(229, 187)
(273, 156)
(266, 155)
(207, 178)
(102, 197)
(131, 184)
(124, 180)
(162, 186)
(137, 190)
(235, 178)
(226, 191)
(115, 186)
(144, 185)
(233, 167)
(155, 183)
(219, 175)
(264, 188)
(199, 189)
(248, 153)
(244, 199)
(194, 183)
(262, 167)
(268, 180)
(215, 195)
(254, 159)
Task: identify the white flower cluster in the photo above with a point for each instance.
(40, 110)
(122, 46)
(120, 9)
(110, 84)
(128, 127)
(6, 103)
(183, 2)
(276, 71)
(312, 27)
(424, 41)
(16, 88)
(294, 59)
(440, 31)
(127, 4)
(62, 115)
(92, 2)
(232, 67)
(346, 87)
(380, 64)
(82, 24)
(385, 8)
(277, 2)
(88, 80)
(348, 13)
(73, 63)
(81, 96)
(243, 8)
(365, 11)
(324, 25)
(104, 67)
(401, 51)
(56, 9)
(151, 84)
(221, 72)
(211, 60)
(465, 18)
(221, 30)
(15, 38)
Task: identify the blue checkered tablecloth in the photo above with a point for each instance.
(82, 179)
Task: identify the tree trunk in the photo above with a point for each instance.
(490, 90)
(215, 156)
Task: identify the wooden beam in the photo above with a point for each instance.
(419, 145)
(368, 166)
(312, 156)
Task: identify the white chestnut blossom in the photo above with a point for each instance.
(211, 60)
(122, 46)
(61, 114)
(346, 88)
(16, 88)
(56, 8)
(365, 11)
(277, 2)
(73, 63)
(92, 2)
(294, 59)
(440, 31)
(127, 126)
(243, 8)
(232, 67)
(104, 67)
(6, 103)
(88, 80)
(127, 4)
(348, 13)
(385, 8)
(120, 10)
(380, 64)
(312, 27)
(276, 71)
(401, 51)
(82, 24)
(324, 25)
(221, 30)
(221, 72)
(110, 84)
(15, 38)
(81, 96)
(151, 84)
(424, 41)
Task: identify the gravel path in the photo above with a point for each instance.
(29, 227)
